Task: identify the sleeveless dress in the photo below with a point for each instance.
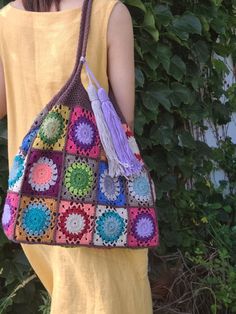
(38, 53)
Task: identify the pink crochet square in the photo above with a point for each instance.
(9, 213)
(83, 137)
(75, 223)
(143, 227)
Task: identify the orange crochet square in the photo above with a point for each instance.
(36, 220)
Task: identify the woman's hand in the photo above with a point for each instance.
(121, 68)
(3, 107)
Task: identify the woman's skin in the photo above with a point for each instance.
(120, 58)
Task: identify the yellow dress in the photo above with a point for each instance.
(38, 53)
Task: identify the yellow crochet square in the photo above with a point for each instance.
(52, 132)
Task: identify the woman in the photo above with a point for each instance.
(37, 51)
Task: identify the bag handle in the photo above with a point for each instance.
(74, 87)
(82, 43)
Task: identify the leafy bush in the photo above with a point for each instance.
(179, 86)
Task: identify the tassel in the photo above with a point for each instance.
(113, 133)
(122, 147)
(114, 166)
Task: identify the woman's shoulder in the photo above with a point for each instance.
(5, 9)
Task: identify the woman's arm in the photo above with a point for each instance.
(3, 107)
(121, 68)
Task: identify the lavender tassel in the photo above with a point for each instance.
(122, 147)
(114, 166)
(111, 131)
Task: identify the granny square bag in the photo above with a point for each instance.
(78, 178)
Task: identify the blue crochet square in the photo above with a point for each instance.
(111, 191)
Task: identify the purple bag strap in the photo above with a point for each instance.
(73, 89)
(84, 23)
(81, 50)
(76, 90)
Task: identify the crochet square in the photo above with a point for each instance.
(143, 227)
(16, 172)
(52, 131)
(132, 142)
(75, 223)
(80, 179)
(110, 226)
(139, 190)
(36, 219)
(9, 213)
(83, 137)
(111, 191)
(28, 139)
(43, 172)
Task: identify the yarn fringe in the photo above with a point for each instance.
(114, 166)
(121, 159)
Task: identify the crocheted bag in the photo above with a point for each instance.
(78, 178)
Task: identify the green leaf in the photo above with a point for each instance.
(177, 67)
(167, 183)
(164, 15)
(181, 94)
(139, 123)
(161, 92)
(152, 61)
(201, 51)
(163, 53)
(136, 3)
(186, 24)
(139, 77)
(186, 139)
(149, 25)
(150, 101)
(217, 2)
(138, 48)
(220, 66)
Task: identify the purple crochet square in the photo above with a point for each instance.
(43, 172)
(83, 137)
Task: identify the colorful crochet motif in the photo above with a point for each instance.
(75, 223)
(25, 145)
(110, 226)
(43, 171)
(16, 172)
(52, 131)
(83, 138)
(51, 128)
(139, 190)
(36, 219)
(79, 179)
(142, 228)
(43, 174)
(9, 213)
(110, 190)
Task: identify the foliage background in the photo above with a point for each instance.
(179, 86)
